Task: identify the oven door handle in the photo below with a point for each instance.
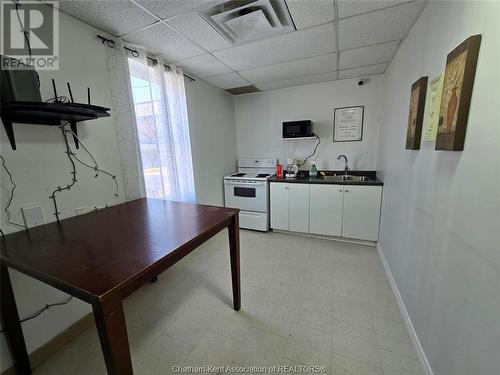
(244, 184)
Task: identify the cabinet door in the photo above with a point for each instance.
(326, 209)
(298, 197)
(279, 205)
(361, 212)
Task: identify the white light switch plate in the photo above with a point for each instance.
(32, 216)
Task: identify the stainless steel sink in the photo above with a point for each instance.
(346, 177)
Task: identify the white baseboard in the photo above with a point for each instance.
(325, 237)
(56, 343)
(406, 318)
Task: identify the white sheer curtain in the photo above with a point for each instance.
(124, 115)
(163, 129)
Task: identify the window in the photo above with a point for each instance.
(163, 130)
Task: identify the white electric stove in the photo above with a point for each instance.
(248, 190)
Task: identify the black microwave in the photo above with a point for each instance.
(297, 129)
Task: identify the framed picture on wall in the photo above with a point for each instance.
(348, 124)
(416, 114)
(432, 107)
(457, 92)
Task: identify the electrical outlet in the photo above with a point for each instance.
(81, 211)
(32, 216)
(102, 206)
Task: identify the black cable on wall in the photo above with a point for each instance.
(72, 158)
(43, 309)
(313, 153)
(11, 196)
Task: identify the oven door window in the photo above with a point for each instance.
(244, 192)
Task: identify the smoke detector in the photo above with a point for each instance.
(246, 21)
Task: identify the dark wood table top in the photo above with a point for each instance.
(95, 254)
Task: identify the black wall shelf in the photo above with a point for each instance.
(51, 114)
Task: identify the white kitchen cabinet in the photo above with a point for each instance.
(298, 198)
(290, 206)
(361, 212)
(326, 209)
(279, 205)
(350, 211)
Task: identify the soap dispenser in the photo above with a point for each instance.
(313, 172)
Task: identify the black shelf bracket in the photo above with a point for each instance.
(7, 124)
(51, 114)
(74, 131)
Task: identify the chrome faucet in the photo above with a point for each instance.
(346, 168)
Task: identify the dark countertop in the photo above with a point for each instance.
(374, 181)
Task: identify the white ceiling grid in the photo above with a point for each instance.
(317, 40)
(310, 13)
(363, 71)
(292, 69)
(368, 34)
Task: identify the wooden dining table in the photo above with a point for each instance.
(104, 256)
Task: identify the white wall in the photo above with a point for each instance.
(441, 210)
(259, 118)
(39, 165)
(211, 125)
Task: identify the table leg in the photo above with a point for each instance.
(12, 325)
(112, 330)
(234, 251)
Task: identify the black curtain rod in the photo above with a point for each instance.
(111, 44)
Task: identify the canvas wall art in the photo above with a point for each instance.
(457, 92)
(432, 107)
(416, 114)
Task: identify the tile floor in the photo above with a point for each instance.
(304, 301)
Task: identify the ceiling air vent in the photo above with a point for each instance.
(246, 21)
(243, 90)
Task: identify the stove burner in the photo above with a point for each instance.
(238, 175)
(263, 175)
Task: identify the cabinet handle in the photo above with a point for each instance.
(286, 187)
(346, 191)
(340, 190)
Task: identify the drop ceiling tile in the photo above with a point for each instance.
(161, 39)
(310, 13)
(376, 54)
(292, 69)
(114, 16)
(348, 8)
(380, 26)
(204, 66)
(194, 27)
(363, 71)
(228, 81)
(296, 45)
(169, 8)
(316, 78)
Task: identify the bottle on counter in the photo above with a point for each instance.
(313, 171)
(290, 169)
(279, 170)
